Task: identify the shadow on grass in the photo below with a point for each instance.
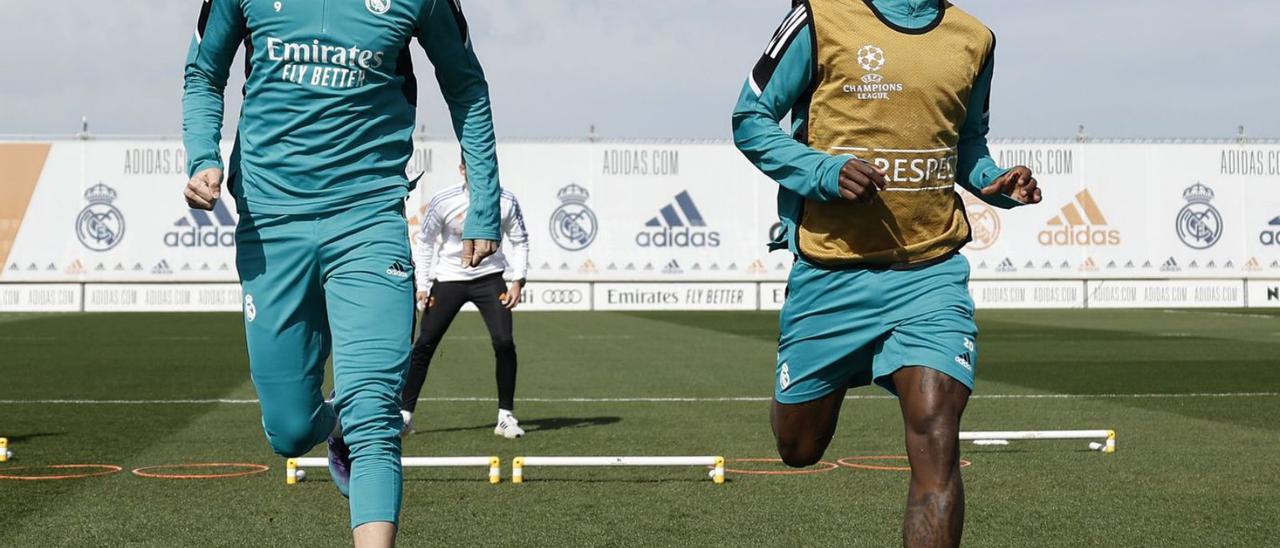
(539, 425)
(23, 438)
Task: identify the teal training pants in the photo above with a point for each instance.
(338, 282)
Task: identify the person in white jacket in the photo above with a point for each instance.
(445, 284)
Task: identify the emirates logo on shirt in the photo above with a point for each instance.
(319, 64)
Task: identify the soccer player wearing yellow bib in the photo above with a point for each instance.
(888, 103)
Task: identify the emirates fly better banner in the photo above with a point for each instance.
(112, 211)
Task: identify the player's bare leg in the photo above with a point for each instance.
(932, 404)
(804, 430)
(378, 534)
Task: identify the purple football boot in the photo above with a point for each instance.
(339, 461)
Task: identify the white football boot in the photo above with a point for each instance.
(508, 427)
(408, 424)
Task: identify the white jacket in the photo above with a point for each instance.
(437, 248)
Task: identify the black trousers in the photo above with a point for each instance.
(446, 300)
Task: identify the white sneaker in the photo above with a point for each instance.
(408, 424)
(508, 427)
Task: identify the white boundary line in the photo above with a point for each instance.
(671, 399)
(1226, 314)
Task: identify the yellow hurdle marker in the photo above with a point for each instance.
(519, 463)
(294, 472)
(1108, 445)
(5, 453)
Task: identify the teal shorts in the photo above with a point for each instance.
(851, 327)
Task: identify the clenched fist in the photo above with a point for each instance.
(204, 189)
(861, 181)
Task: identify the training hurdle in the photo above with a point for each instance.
(5, 453)
(294, 473)
(1106, 445)
(519, 463)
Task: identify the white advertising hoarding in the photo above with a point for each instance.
(1013, 294)
(111, 211)
(772, 295)
(1263, 293)
(1166, 293)
(544, 296)
(40, 297)
(1135, 211)
(635, 211)
(162, 297)
(675, 296)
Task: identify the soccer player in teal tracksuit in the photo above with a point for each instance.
(888, 103)
(317, 174)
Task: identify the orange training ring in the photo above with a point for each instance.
(105, 470)
(829, 467)
(249, 469)
(851, 464)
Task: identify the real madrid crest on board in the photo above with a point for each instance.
(1199, 224)
(100, 226)
(573, 224)
(777, 232)
(378, 7)
(984, 224)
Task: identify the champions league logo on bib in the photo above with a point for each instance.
(100, 225)
(871, 58)
(873, 86)
(1199, 224)
(573, 224)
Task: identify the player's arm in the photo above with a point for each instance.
(442, 31)
(518, 259)
(219, 32)
(779, 80)
(977, 171)
(424, 253)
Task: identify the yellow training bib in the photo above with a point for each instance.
(896, 98)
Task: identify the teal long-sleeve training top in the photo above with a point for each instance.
(330, 102)
(805, 173)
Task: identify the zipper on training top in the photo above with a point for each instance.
(324, 16)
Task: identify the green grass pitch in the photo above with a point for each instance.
(1196, 466)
